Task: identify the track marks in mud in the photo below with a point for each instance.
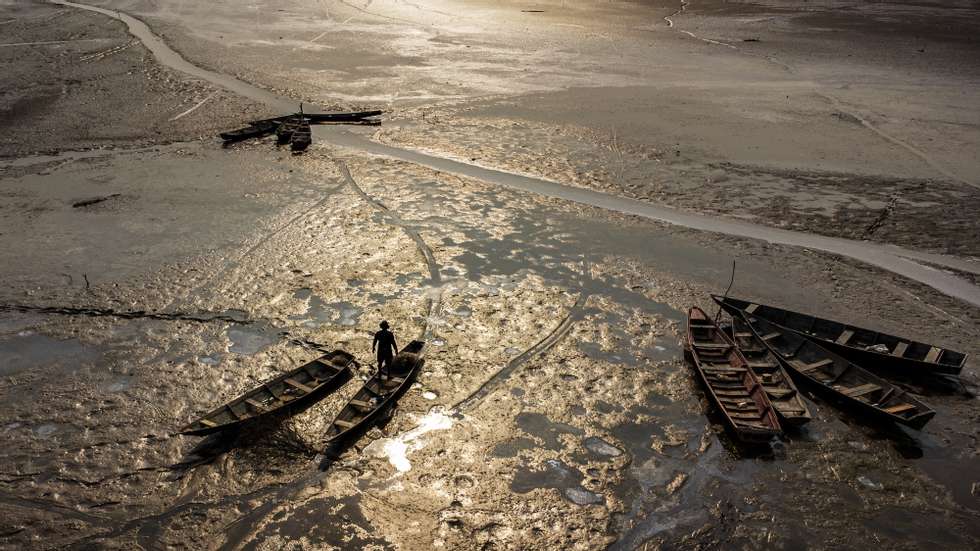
(435, 276)
(545, 344)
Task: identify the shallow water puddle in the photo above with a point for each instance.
(29, 350)
(319, 312)
(556, 475)
(396, 449)
(248, 340)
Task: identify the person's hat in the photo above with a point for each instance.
(384, 324)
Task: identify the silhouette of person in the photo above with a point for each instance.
(384, 341)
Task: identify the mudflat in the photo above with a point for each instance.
(152, 274)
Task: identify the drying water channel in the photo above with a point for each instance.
(894, 259)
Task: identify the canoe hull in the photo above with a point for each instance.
(339, 438)
(731, 386)
(828, 332)
(839, 377)
(221, 421)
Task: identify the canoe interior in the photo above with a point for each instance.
(851, 336)
(280, 392)
(302, 136)
(732, 386)
(378, 393)
(844, 378)
(779, 386)
(284, 132)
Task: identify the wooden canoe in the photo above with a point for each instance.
(778, 384)
(302, 136)
(731, 385)
(376, 398)
(255, 129)
(839, 378)
(855, 343)
(284, 133)
(288, 393)
(263, 127)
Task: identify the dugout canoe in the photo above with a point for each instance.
(778, 384)
(839, 378)
(376, 398)
(729, 382)
(286, 394)
(866, 347)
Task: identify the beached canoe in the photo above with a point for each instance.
(730, 384)
(866, 347)
(264, 127)
(255, 129)
(375, 399)
(302, 136)
(286, 394)
(839, 378)
(284, 132)
(356, 116)
(778, 384)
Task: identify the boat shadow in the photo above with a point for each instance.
(267, 440)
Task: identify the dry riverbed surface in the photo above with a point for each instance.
(151, 280)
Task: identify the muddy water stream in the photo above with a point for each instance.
(894, 259)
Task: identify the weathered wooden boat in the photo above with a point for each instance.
(255, 129)
(376, 398)
(778, 384)
(356, 116)
(264, 127)
(864, 346)
(285, 394)
(730, 384)
(839, 378)
(284, 132)
(302, 137)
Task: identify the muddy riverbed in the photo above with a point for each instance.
(149, 281)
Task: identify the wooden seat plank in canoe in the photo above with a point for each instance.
(900, 349)
(725, 369)
(256, 405)
(208, 423)
(761, 365)
(711, 345)
(342, 423)
(731, 393)
(325, 363)
(756, 414)
(771, 336)
(298, 385)
(361, 404)
(751, 308)
(901, 408)
(804, 368)
(779, 392)
(396, 380)
(845, 336)
(933, 356)
(861, 390)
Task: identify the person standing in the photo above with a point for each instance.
(384, 343)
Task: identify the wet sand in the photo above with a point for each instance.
(149, 283)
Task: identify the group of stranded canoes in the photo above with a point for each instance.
(750, 367)
(295, 129)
